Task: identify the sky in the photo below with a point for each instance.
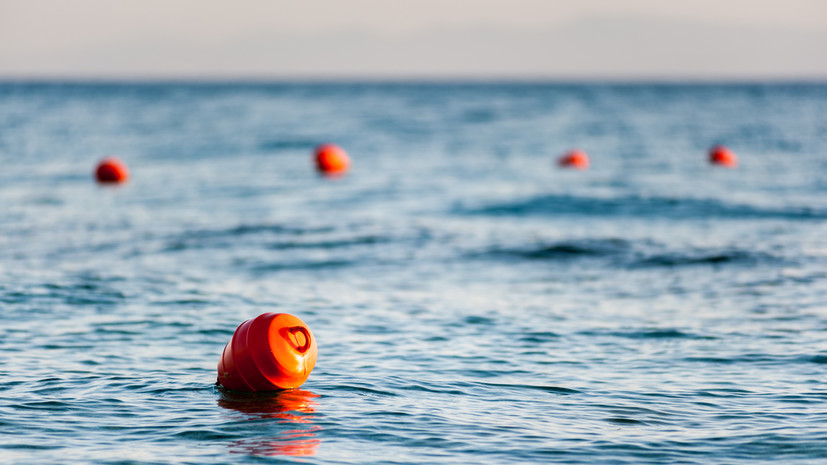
(701, 39)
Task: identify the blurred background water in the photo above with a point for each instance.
(472, 303)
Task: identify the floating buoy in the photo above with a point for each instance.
(331, 159)
(269, 352)
(576, 159)
(111, 170)
(720, 155)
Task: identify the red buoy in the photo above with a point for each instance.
(111, 170)
(331, 159)
(269, 352)
(722, 156)
(576, 159)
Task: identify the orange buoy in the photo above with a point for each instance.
(331, 159)
(576, 159)
(269, 352)
(111, 170)
(722, 156)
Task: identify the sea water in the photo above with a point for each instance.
(472, 302)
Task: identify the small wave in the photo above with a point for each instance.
(665, 207)
(331, 244)
(649, 333)
(550, 389)
(288, 144)
(706, 258)
(537, 337)
(566, 249)
(303, 265)
(625, 421)
(630, 254)
(287, 237)
(209, 238)
(365, 390)
(205, 435)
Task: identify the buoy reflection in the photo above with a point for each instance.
(292, 411)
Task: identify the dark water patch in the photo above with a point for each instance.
(478, 320)
(637, 206)
(760, 359)
(331, 244)
(778, 446)
(288, 144)
(386, 413)
(205, 435)
(539, 337)
(723, 393)
(653, 333)
(532, 387)
(67, 346)
(701, 257)
(625, 421)
(30, 446)
(631, 254)
(712, 360)
(228, 237)
(298, 266)
(817, 359)
(183, 302)
(565, 249)
(50, 405)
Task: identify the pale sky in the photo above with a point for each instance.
(531, 38)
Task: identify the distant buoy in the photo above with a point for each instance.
(576, 159)
(269, 352)
(111, 170)
(331, 159)
(722, 156)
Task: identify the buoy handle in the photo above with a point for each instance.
(300, 329)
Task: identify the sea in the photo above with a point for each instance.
(473, 303)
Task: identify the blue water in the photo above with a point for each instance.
(472, 303)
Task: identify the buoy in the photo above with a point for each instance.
(331, 159)
(720, 155)
(111, 170)
(270, 352)
(576, 159)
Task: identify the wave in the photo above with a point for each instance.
(567, 249)
(665, 207)
(706, 258)
(629, 254)
(288, 144)
(271, 236)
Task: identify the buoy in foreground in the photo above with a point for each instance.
(270, 352)
(331, 159)
(722, 156)
(576, 159)
(111, 170)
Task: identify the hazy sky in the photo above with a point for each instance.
(533, 38)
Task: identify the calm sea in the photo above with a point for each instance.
(473, 303)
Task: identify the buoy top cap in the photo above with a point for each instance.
(574, 159)
(330, 158)
(721, 155)
(292, 345)
(111, 170)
